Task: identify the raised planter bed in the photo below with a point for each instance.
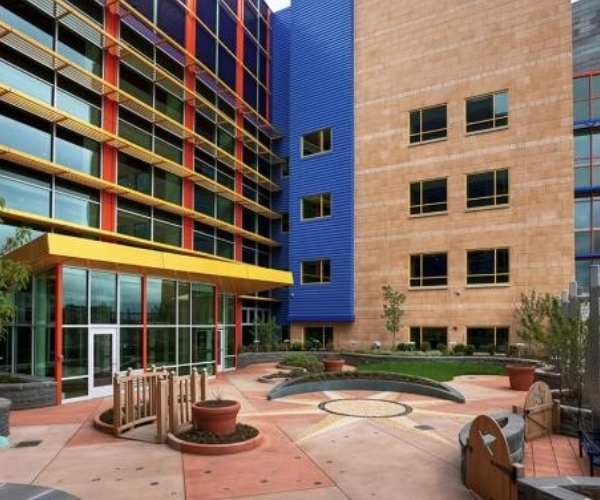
(213, 449)
(4, 414)
(30, 392)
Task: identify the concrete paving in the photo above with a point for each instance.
(306, 454)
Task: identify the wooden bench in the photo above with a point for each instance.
(590, 442)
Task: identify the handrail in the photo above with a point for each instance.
(61, 171)
(164, 36)
(84, 77)
(164, 75)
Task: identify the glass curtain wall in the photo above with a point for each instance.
(180, 322)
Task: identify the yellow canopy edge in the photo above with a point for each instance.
(231, 277)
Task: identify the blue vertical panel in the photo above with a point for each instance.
(146, 7)
(171, 19)
(280, 88)
(322, 96)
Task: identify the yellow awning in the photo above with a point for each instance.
(231, 277)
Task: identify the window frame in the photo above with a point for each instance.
(420, 282)
(495, 275)
(421, 206)
(494, 118)
(321, 142)
(493, 197)
(322, 276)
(421, 133)
(322, 202)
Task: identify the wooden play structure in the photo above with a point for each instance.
(157, 396)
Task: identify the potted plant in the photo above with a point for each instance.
(333, 363)
(217, 415)
(521, 376)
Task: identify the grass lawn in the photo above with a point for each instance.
(436, 370)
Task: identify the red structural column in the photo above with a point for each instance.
(268, 76)
(110, 117)
(189, 119)
(145, 323)
(239, 153)
(58, 337)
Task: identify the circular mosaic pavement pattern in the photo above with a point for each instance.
(365, 408)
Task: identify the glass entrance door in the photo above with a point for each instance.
(227, 342)
(103, 361)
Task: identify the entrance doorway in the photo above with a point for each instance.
(102, 360)
(227, 343)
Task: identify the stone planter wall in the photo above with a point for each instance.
(4, 414)
(559, 488)
(33, 392)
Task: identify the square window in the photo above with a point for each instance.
(316, 206)
(488, 267)
(316, 142)
(428, 196)
(486, 189)
(487, 111)
(316, 271)
(428, 270)
(428, 124)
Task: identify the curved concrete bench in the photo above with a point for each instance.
(429, 388)
(513, 428)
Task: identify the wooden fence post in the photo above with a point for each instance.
(556, 416)
(203, 384)
(162, 413)
(173, 402)
(194, 386)
(116, 404)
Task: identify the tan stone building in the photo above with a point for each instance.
(464, 176)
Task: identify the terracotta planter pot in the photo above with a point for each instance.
(333, 365)
(521, 377)
(216, 416)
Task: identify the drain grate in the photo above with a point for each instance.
(424, 427)
(28, 444)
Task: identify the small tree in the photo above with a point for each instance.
(14, 275)
(393, 302)
(267, 331)
(533, 320)
(557, 331)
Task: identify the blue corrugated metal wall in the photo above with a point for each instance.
(280, 59)
(321, 95)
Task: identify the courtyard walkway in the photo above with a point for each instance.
(306, 454)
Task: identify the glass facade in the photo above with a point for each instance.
(586, 113)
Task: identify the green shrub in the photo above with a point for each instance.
(297, 346)
(308, 361)
(425, 346)
(459, 349)
(469, 349)
(402, 347)
(442, 348)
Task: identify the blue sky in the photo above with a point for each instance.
(278, 4)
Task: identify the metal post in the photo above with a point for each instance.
(591, 386)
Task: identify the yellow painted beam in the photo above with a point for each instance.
(231, 277)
